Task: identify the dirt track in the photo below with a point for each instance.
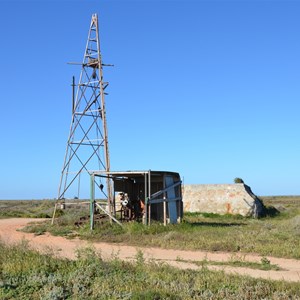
(66, 248)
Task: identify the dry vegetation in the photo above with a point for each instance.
(25, 272)
(277, 234)
(26, 208)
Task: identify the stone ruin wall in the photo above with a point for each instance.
(221, 199)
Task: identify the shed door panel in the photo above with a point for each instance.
(171, 195)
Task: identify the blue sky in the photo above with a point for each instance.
(209, 89)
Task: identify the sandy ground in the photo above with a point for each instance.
(67, 248)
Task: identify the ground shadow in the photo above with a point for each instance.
(215, 224)
(271, 211)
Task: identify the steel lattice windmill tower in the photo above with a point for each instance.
(87, 145)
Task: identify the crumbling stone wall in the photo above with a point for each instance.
(222, 199)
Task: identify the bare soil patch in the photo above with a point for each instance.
(62, 247)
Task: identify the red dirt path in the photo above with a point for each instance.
(66, 248)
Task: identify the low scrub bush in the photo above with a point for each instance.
(26, 274)
(276, 235)
(26, 208)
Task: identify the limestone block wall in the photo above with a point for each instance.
(222, 199)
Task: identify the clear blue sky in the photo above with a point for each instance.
(210, 89)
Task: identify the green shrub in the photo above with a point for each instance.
(238, 180)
